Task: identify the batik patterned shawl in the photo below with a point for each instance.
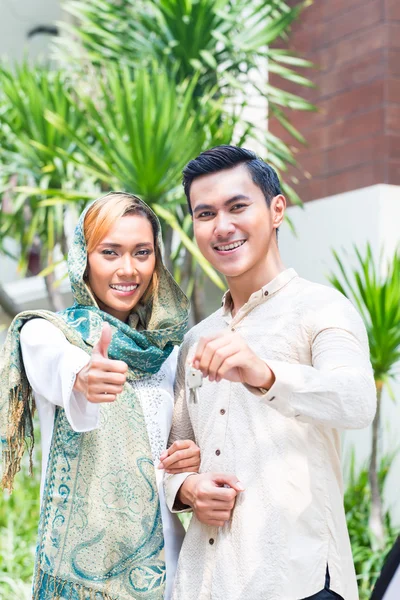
(100, 532)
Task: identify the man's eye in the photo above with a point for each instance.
(206, 213)
(238, 206)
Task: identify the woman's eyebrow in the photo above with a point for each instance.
(138, 245)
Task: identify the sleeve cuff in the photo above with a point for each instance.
(279, 394)
(172, 485)
(81, 414)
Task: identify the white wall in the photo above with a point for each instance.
(366, 215)
(17, 18)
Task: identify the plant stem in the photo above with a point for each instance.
(376, 514)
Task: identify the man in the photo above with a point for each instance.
(284, 365)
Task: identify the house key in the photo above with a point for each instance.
(195, 381)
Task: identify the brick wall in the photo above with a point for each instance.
(354, 139)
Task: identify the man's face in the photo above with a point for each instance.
(233, 225)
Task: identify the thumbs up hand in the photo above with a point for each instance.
(102, 379)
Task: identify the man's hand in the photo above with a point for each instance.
(181, 457)
(102, 379)
(226, 355)
(212, 503)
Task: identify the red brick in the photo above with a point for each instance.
(393, 63)
(348, 129)
(312, 164)
(353, 101)
(351, 48)
(356, 177)
(393, 146)
(393, 172)
(333, 8)
(357, 72)
(312, 190)
(351, 22)
(311, 15)
(356, 153)
(394, 34)
(393, 91)
(392, 10)
(392, 118)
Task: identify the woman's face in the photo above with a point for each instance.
(121, 267)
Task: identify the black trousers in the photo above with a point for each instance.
(326, 593)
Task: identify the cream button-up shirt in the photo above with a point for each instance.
(283, 445)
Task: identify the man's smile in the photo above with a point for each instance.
(231, 247)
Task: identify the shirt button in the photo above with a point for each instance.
(222, 411)
(218, 452)
(266, 293)
(211, 541)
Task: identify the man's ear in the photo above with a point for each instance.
(278, 207)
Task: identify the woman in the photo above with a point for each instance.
(101, 375)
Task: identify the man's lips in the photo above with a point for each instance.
(229, 246)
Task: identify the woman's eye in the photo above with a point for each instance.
(108, 252)
(144, 252)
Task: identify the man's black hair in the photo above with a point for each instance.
(226, 157)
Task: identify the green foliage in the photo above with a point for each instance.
(368, 561)
(225, 44)
(26, 93)
(374, 288)
(19, 517)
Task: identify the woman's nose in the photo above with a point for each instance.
(127, 266)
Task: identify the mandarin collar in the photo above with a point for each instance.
(266, 291)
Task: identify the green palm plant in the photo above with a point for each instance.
(144, 128)
(374, 288)
(223, 41)
(26, 93)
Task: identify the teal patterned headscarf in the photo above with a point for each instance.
(100, 532)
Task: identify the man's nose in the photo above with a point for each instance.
(223, 225)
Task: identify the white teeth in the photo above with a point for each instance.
(124, 288)
(231, 246)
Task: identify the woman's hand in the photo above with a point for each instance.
(102, 379)
(183, 456)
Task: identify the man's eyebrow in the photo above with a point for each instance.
(201, 207)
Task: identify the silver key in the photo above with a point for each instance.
(195, 381)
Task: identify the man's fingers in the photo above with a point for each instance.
(105, 339)
(222, 479)
(229, 362)
(215, 350)
(202, 343)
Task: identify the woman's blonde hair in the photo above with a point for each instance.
(103, 214)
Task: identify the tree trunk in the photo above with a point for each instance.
(376, 515)
(7, 303)
(198, 299)
(53, 293)
(168, 234)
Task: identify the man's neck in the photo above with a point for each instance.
(242, 287)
